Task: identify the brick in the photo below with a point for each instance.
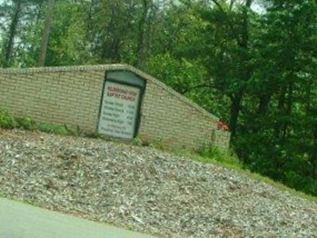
(71, 95)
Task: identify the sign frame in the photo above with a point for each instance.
(139, 105)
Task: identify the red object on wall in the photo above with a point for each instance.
(222, 126)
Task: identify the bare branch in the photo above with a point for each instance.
(218, 5)
(232, 2)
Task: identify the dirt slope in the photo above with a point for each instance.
(146, 190)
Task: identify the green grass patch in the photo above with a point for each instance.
(229, 160)
(25, 123)
(8, 121)
(54, 129)
(221, 155)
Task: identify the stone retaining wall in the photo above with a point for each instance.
(72, 95)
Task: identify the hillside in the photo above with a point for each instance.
(146, 190)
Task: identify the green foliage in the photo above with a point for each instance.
(6, 120)
(25, 123)
(180, 74)
(157, 144)
(301, 183)
(54, 129)
(224, 156)
(137, 141)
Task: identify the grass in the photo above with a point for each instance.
(229, 160)
(8, 121)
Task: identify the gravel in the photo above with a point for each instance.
(146, 190)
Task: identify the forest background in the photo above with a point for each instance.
(251, 63)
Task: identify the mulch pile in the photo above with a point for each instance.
(146, 190)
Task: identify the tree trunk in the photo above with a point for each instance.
(314, 155)
(111, 47)
(12, 33)
(46, 32)
(288, 112)
(235, 111)
(89, 21)
(141, 31)
(243, 42)
(264, 104)
(281, 109)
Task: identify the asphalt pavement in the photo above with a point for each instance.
(19, 220)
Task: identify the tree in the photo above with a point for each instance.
(9, 41)
(147, 5)
(46, 32)
(229, 48)
(281, 94)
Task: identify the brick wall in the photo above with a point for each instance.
(71, 96)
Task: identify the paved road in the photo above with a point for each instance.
(18, 220)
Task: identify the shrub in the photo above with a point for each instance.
(25, 123)
(219, 154)
(54, 129)
(298, 182)
(6, 120)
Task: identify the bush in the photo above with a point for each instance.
(221, 155)
(25, 123)
(6, 120)
(54, 129)
(301, 183)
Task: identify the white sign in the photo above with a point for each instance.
(119, 110)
